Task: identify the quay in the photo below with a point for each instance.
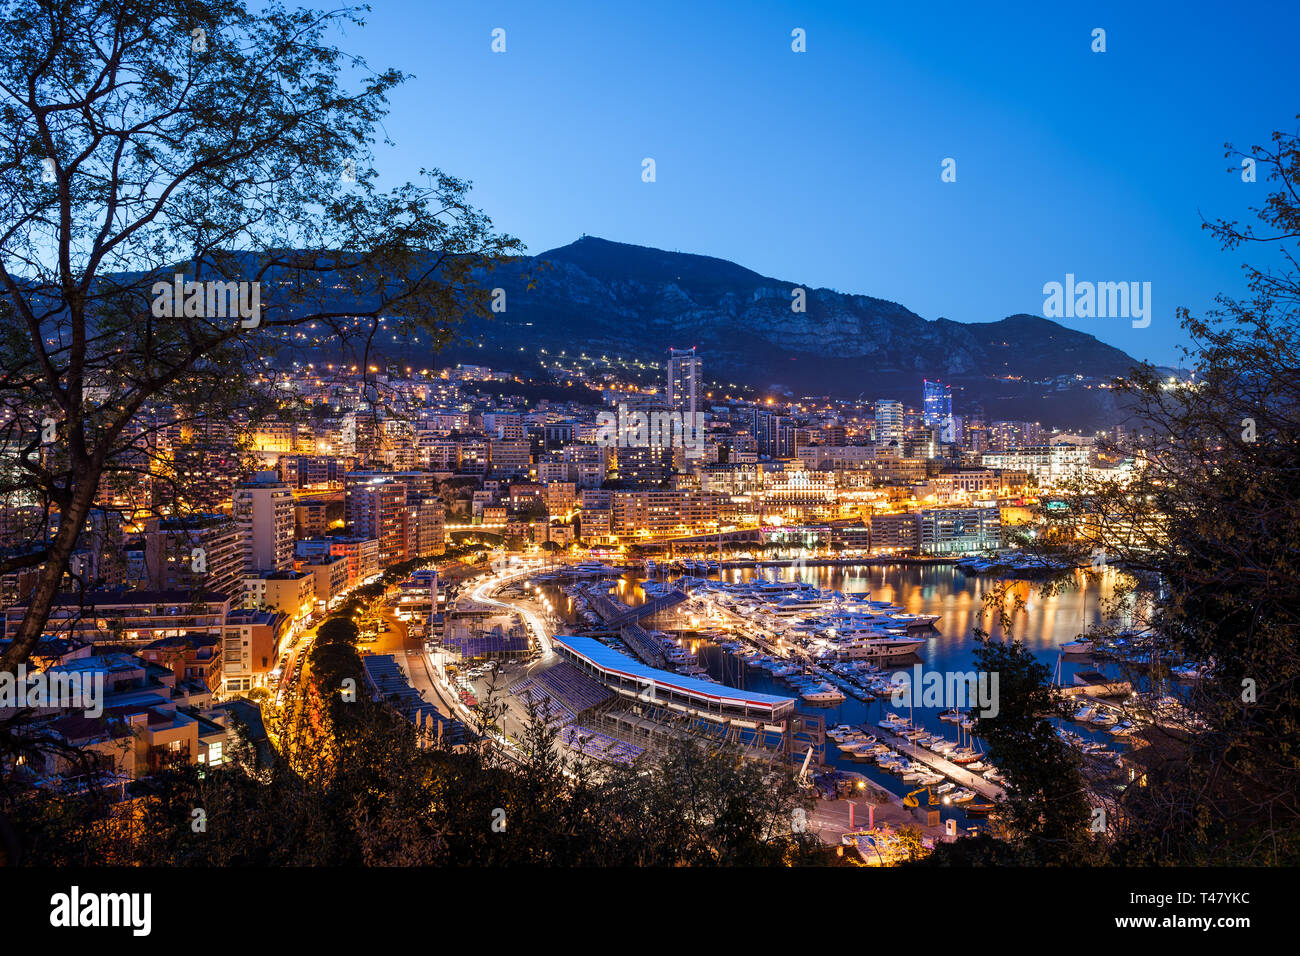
(955, 772)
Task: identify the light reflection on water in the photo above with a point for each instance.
(1042, 624)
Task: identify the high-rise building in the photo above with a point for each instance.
(263, 510)
(376, 511)
(936, 407)
(195, 552)
(774, 434)
(685, 372)
(889, 421)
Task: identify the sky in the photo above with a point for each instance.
(824, 167)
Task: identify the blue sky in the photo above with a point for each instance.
(823, 167)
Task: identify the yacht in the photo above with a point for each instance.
(884, 648)
(589, 569)
(795, 605)
(824, 695)
(1079, 646)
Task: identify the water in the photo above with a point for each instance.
(1043, 624)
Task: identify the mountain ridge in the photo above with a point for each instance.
(637, 301)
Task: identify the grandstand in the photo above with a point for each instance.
(390, 685)
(492, 645)
(564, 693)
(629, 678)
(601, 746)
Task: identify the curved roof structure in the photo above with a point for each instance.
(614, 667)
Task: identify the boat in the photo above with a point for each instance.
(945, 787)
(1085, 713)
(1105, 719)
(876, 648)
(825, 695)
(962, 796)
(979, 809)
(1079, 646)
(951, 716)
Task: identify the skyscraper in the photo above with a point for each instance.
(684, 375)
(936, 407)
(889, 421)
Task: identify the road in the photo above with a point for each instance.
(410, 655)
(531, 617)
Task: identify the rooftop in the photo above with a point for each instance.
(608, 659)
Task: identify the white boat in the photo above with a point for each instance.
(945, 787)
(795, 605)
(1079, 646)
(876, 647)
(825, 695)
(962, 796)
(1085, 712)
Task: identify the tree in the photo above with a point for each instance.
(1046, 814)
(200, 139)
(1206, 526)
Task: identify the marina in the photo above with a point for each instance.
(836, 641)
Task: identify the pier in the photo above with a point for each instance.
(954, 772)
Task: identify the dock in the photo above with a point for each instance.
(954, 772)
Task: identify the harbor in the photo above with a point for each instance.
(837, 642)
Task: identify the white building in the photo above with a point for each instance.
(263, 511)
(1048, 464)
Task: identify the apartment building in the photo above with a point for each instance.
(129, 617)
(264, 513)
(250, 648)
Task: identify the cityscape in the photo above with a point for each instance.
(337, 529)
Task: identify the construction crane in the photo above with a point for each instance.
(912, 803)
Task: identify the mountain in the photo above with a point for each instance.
(634, 302)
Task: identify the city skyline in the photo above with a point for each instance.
(337, 531)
